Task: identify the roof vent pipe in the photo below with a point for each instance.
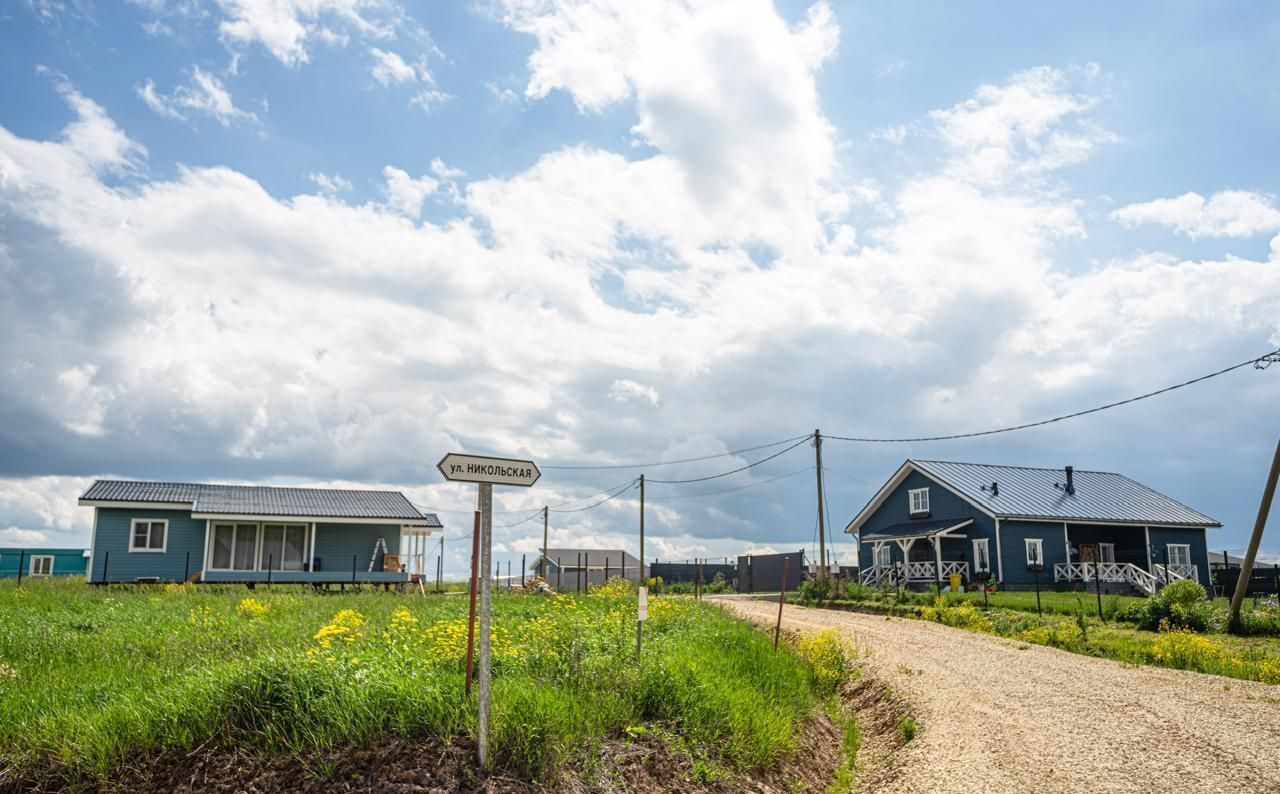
(1071, 481)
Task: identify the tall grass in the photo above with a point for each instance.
(90, 678)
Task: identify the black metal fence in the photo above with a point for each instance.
(763, 572)
(674, 572)
(1262, 580)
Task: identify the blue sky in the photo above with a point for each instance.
(328, 242)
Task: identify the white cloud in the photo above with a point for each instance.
(626, 390)
(284, 27)
(204, 94)
(1227, 213)
(428, 98)
(406, 194)
(330, 184)
(894, 134)
(23, 537)
(390, 69)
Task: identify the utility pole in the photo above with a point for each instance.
(642, 592)
(1246, 567)
(822, 524)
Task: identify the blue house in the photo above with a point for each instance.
(1060, 526)
(170, 532)
(43, 562)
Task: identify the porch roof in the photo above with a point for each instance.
(917, 529)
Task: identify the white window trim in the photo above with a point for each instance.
(911, 501)
(985, 545)
(1039, 544)
(1102, 546)
(259, 546)
(883, 551)
(133, 525)
(31, 569)
(1168, 557)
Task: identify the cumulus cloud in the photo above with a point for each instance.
(204, 94)
(1227, 213)
(214, 330)
(406, 194)
(390, 69)
(286, 27)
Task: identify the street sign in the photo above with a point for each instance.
(482, 469)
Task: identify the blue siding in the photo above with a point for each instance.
(942, 504)
(1195, 538)
(66, 562)
(111, 534)
(1013, 550)
(336, 545)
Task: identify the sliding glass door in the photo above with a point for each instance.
(284, 547)
(235, 547)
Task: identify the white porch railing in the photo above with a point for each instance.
(1107, 572)
(913, 572)
(1172, 573)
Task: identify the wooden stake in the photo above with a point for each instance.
(782, 597)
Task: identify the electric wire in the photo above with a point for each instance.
(594, 505)
(730, 490)
(740, 468)
(655, 464)
(1261, 362)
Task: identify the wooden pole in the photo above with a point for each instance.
(1260, 523)
(471, 611)
(782, 597)
(486, 531)
(822, 524)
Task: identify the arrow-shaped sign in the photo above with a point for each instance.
(496, 471)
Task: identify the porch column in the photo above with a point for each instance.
(937, 556)
(1146, 534)
(1066, 538)
(999, 556)
(311, 560)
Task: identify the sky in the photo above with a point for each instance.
(328, 241)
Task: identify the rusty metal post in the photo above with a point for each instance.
(782, 598)
(471, 612)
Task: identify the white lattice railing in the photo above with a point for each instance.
(912, 571)
(1172, 573)
(961, 568)
(1107, 572)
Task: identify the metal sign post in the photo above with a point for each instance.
(486, 472)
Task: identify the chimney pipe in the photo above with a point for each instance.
(1071, 481)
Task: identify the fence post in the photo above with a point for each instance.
(186, 568)
(522, 561)
(270, 559)
(606, 567)
(1097, 567)
(558, 570)
(106, 558)
(353, 569)
(751, 574)
(22, 553)
(782, 597)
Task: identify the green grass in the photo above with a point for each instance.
(89, 676)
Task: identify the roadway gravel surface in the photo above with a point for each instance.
(995, 715)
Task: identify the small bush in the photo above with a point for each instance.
(815, 591)
(1180, 605)
(907, 727)
(1184, 592)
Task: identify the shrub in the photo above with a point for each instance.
(824, 653)
(1180, 605)
(907, 727)
(815, 591)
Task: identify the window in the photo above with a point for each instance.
(41, 565)
(918, 500)
(1178, 554)
(1106, 552)
(235, 547)
(981, 559)
(1035, 551)
(149, 535)
(283, 546)
(884, 556)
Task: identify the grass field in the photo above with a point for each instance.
(93, 679)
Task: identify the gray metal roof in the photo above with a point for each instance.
(915, 529)
(1034, 493)
(257, 500)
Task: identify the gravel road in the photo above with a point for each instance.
(998, 716)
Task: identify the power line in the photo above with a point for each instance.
(614, 495)
(803, 439)
(655, 464)
(1261, 362)
(731, 490)
(827, 469)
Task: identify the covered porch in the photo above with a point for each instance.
(1123, 556)
(923, 552)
